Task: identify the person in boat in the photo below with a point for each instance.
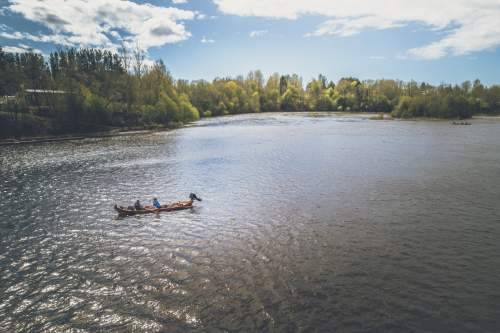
(138, 205)
(192, 197)
(156, 203)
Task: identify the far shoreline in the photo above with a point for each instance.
(156, 129)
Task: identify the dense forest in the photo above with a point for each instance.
(89, 90)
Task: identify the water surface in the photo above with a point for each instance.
(308, 223)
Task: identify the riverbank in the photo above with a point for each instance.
(88, 135)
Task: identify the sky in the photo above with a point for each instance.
(435, 41)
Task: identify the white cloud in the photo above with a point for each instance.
(466, 26)
(16, 35)
(258, 33)
(205, 40)
(115, 34)
(102, 23)
(348, 27)
(177, 2)
(21, 48)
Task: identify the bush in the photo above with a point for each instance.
(449, 106)
(189, 112)
(26, 124)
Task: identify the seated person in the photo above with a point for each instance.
(138, 205)
(156, 203)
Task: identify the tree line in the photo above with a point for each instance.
(88, 90)
(287, 93)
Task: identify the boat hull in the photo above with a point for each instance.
(181, 205)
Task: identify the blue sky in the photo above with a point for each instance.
(448, 41)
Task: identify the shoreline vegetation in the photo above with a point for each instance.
(92, 93)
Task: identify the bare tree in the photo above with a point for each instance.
(125, 56)
(139, 56)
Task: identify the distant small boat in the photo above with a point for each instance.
(461, 123)
(180, 205)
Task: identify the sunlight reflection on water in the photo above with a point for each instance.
(327, 223)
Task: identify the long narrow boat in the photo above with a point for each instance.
(180, 205)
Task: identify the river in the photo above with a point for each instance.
(308, 223)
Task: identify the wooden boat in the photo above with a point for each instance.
(180, 205)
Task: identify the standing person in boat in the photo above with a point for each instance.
(156, 203)
(138, 205)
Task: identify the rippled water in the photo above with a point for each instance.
(326, 223)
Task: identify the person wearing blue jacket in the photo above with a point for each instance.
(156, 203)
